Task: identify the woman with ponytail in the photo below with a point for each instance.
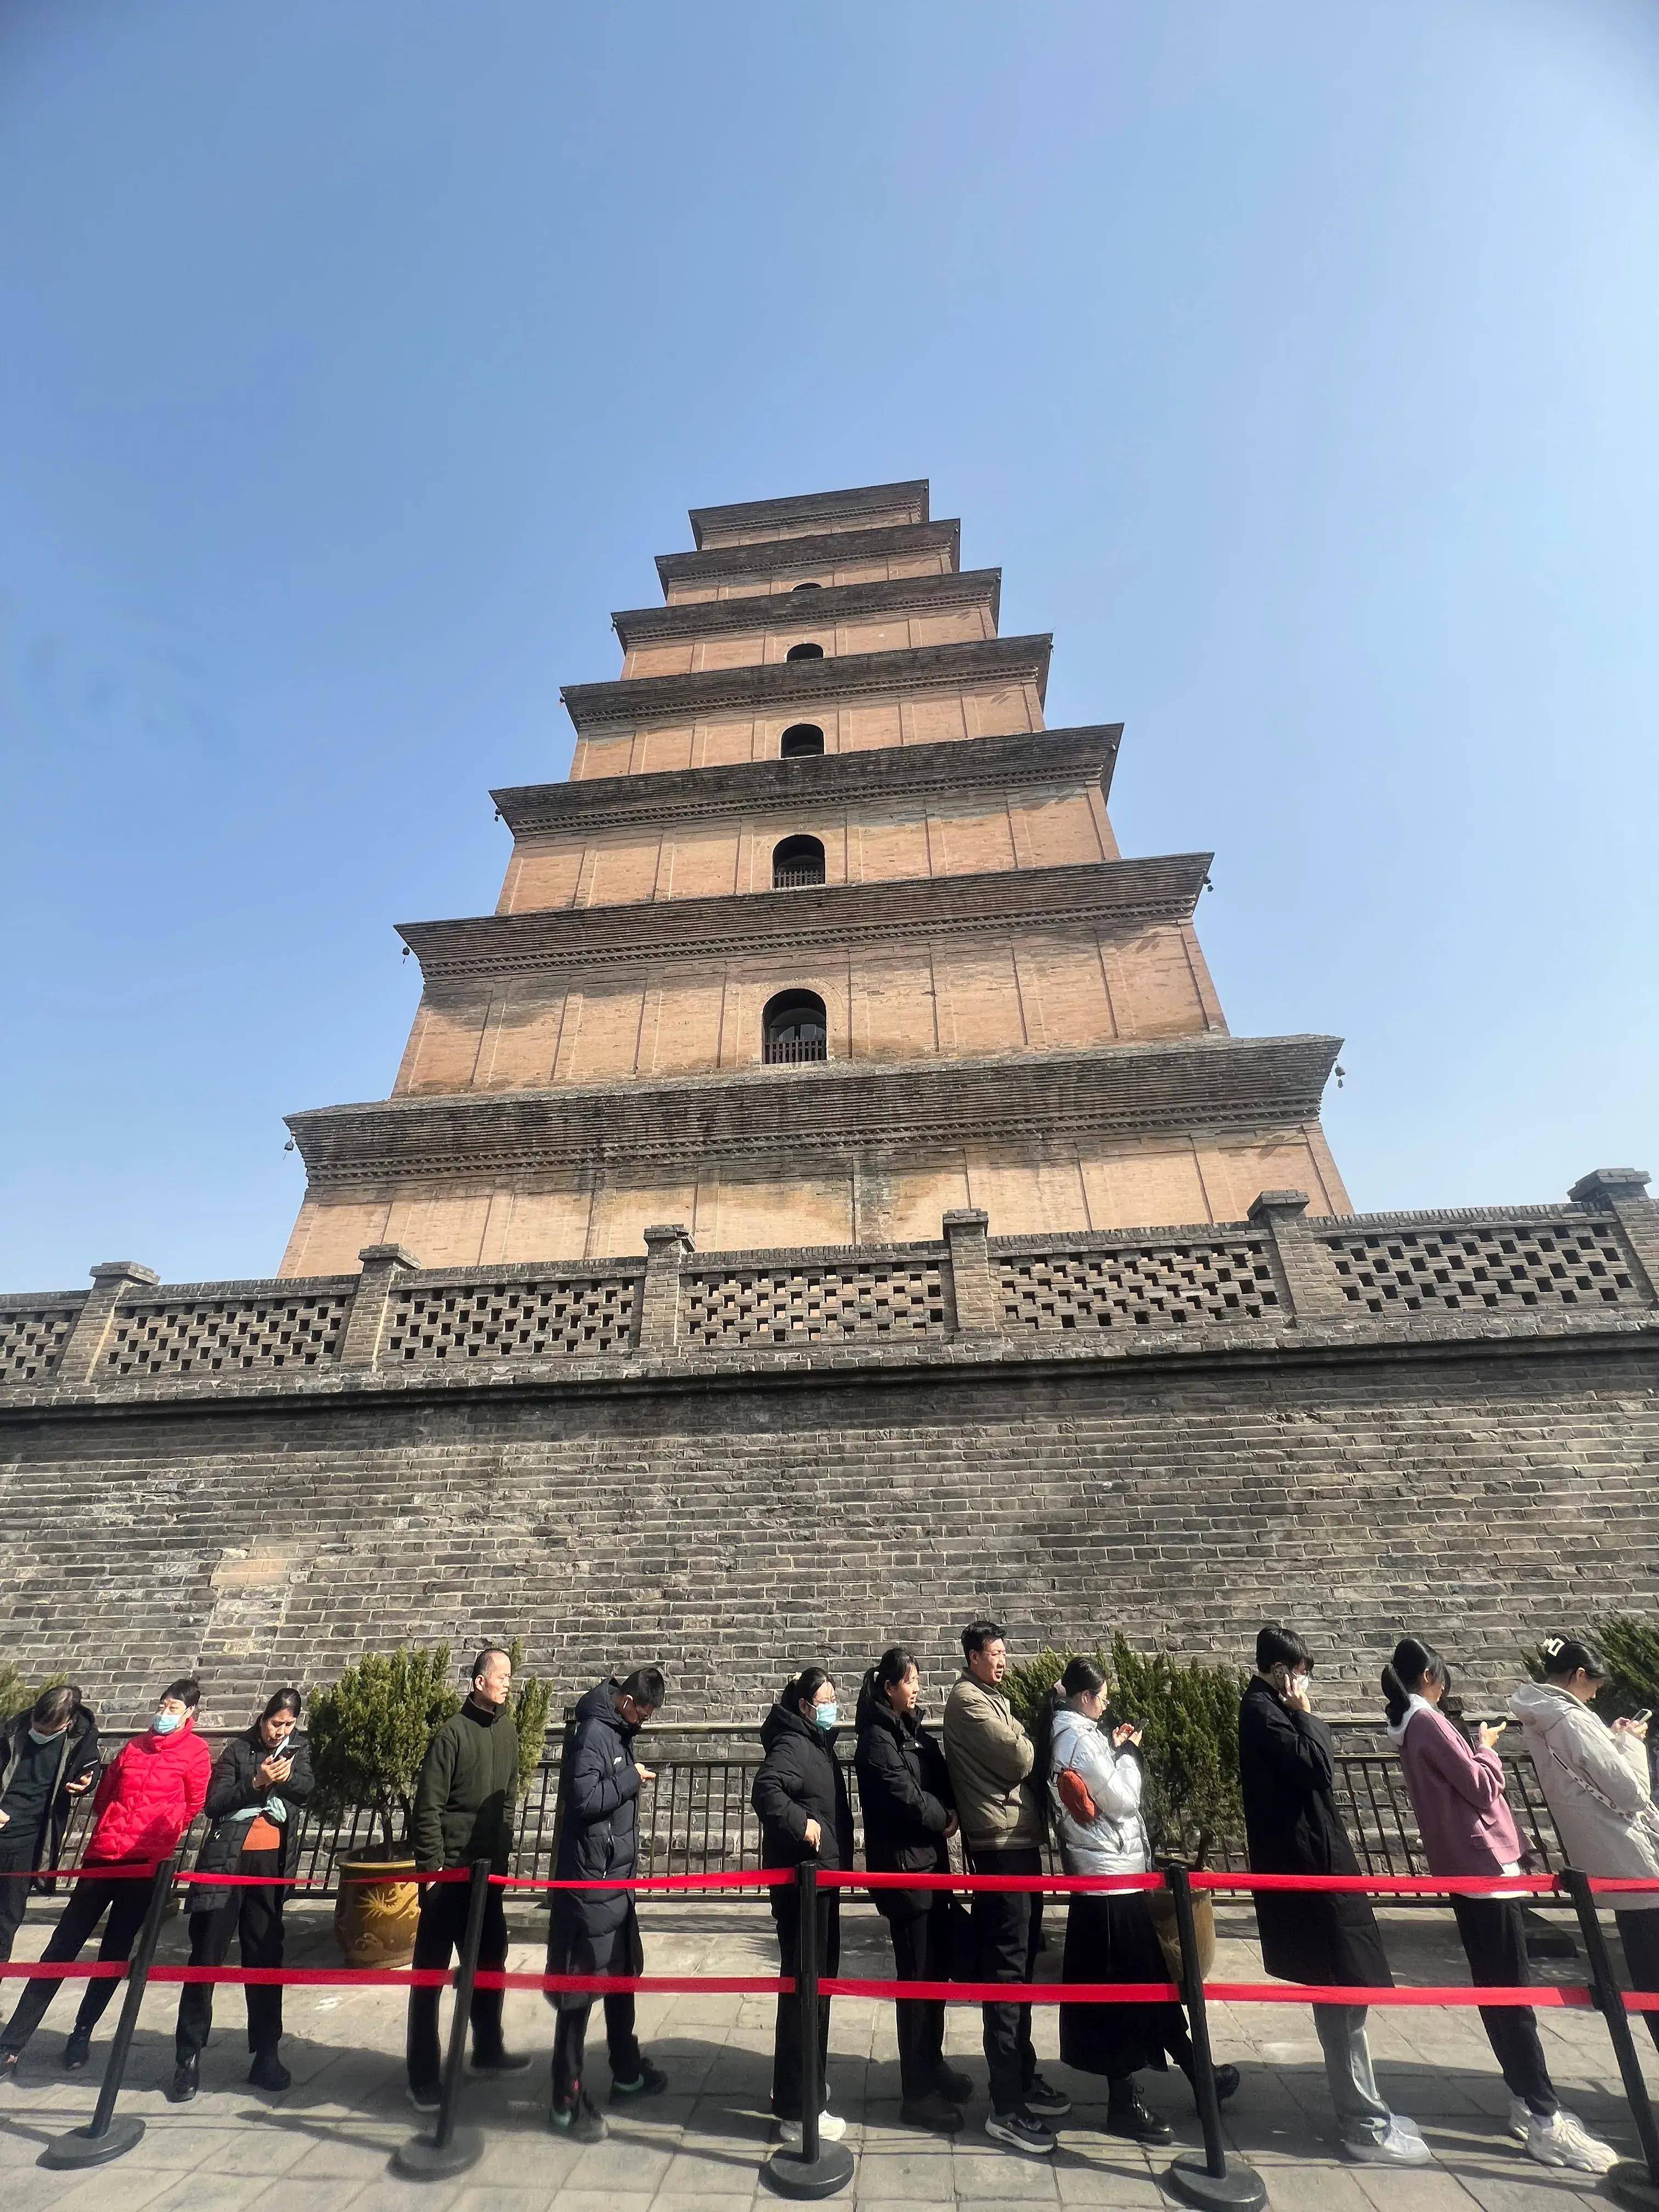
(800, 1797)
(1456, 1791)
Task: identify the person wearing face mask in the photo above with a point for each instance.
(146, 1798)
(904, 1791)
(800, 1798)
(48, 1759)
(258, 1788)
(1286, 1770)
(1463, 1816)
(1595, 1782)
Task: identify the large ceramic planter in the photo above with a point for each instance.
(375, 1915)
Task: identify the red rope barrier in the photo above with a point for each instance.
(1391, 1884)
(847, 1878)
(721, 1878)
(662, 1984)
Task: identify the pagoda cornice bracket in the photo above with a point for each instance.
(798, 683)
(882, 541)
(908, 909)
(850, 502)
(953, 766)
(693, 618)
(780, 1117)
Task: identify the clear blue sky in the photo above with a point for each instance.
(1296, 363)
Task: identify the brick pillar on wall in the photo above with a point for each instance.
(112, 1282)
(1622, 1191)
(973, 1285)
(1306, 1270)
(383, 1266)
(667, 1245)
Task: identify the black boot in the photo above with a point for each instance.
(1127, 2115)
(268, 2072)
(186, 2078)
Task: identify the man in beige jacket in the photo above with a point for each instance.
(990, 1757)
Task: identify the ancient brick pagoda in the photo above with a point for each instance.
(826, 936)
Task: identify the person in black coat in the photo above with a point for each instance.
(800, 1797)
(909, 1816)
(1286, 1773)
(258, 1788)
(48, 1760)
(597, 1931)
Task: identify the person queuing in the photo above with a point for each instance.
(260, 1782)
(799, 1796)
(1595, 1783)
(1096, 1786)
(904, 1790)
(463, 1812)
(48, 1759)
(597, 1931)
(148, 1795)
(1466, 1827)
(1286, 1768)
(991, 1759)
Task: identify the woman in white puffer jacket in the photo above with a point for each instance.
(1109, 1937)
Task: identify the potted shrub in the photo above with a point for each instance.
(368, 1734)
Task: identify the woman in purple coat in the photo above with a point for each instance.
(1457, 1793)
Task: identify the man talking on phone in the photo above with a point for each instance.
(1285, 1770)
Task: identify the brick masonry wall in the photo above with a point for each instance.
(731, 1528)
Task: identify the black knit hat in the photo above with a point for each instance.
(1565, 1655)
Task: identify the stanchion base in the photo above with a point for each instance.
(1631, 2184)
(421, 2159)
(792, 2175)
(1241, 2189)
(78, 2147)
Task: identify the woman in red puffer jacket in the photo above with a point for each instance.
(150, 1793)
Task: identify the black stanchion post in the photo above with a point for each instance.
(1630, 2184)
(450, 2150)
(1212, 2183)
(817, 2169)
(104, 2136)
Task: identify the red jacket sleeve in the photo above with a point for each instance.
(196, 1781)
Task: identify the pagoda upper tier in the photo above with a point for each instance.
(825, 934)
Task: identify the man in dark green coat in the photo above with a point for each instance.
(463, 1812)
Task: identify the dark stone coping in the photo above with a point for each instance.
(787, 1116)
(955, 764)
(812, 506)
(779, 610)
(1115, 893)
(883, 540)
(628, 703)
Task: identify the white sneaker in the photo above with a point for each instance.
(1563, 2139)
(1400, 2146)
(1520, 2119)
(831, 2128)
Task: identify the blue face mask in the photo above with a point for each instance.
(823, 1716)
(51, 1736)
(165, 1723)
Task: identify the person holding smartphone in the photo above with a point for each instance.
(1287, 1770)
(1456, 1791)
(260, 1782)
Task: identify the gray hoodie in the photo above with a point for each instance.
(1595, 1781)
(1115, 1841)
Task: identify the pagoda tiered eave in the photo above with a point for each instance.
(1099, 894)
(802, 683)
(822, 507)
(787, 1116)
(695, 618)
(1088, 753)
(885, 541)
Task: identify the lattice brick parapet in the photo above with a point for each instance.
(1504, 1268)
(217, 1336)
(519, 1320)
(32, 1338)
(1167, 1285)
(896, 1297)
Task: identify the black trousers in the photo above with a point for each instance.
(1639, 1934)
(1007, 1937)
(570, 2042)
(921, 1953)
(1495, 1945)
(256, 1915)
(125, 1902)
(438, 1935)
(19, 1856)
(787, 2049)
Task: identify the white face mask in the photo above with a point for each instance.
(1299, 1685)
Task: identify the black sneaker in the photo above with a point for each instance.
(77, 2052)
(1227, 2079)
(186, 2081)
(268, 2072)
(1128, 2118)
(581, 2122)
(1021, 2131)
(649, 2082)
(953, 2084)
(933, 2113)
(499, 2062)
(1047, 2102)
(425, 2096)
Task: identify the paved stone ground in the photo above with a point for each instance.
(323, 2148)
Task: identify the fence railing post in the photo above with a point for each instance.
(668, 1245)
(817, 2169)
(449, 2148)
(1630, 2184)
(1305, 1266)
(976, 1304)
(112, 1281)
(104, 2136)
(1211, 2182)
(384, 1266)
